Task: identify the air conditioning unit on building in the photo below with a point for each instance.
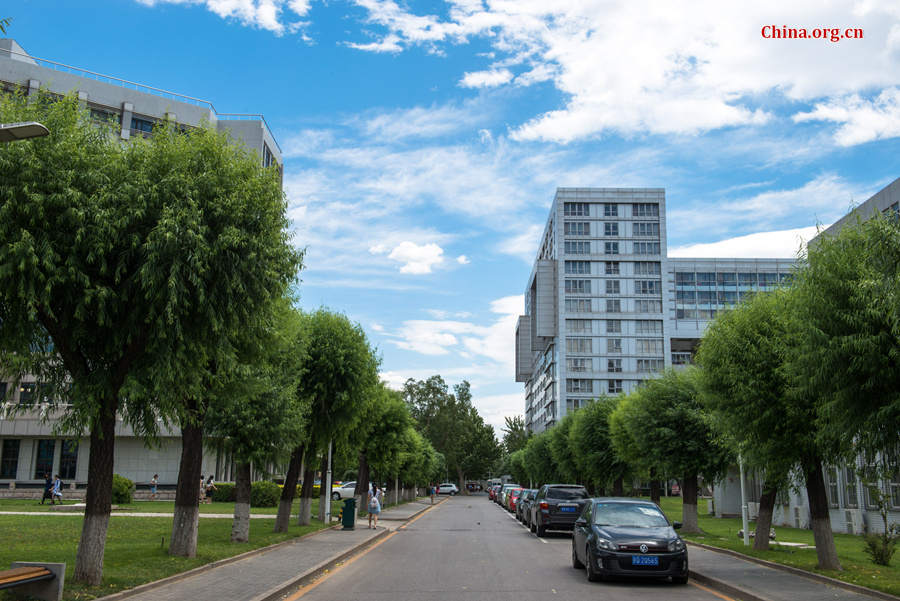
(855, 521)
(801, 519)
(752, 510)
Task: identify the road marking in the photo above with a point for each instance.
(712, 592)
(515, 519)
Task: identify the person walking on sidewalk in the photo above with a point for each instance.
(431, 492)
(154, 482)
(56, 492)
(374, 505)
(48, 486)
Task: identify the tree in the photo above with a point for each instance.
(515, 434)
(589, 440)
(122, 268)
(538, 460)
(481, 449)
(564, 457)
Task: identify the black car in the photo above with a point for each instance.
(628, 537)
(556, 507)
(524, 502)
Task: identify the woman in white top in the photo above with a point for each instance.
(374, 505)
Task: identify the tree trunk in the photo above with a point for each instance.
(689, 505)
(323, 492)
(283, 520)
(98, 500)
(764, 519)
(654, 487)
(362, 481)
(462, 481)
(306, 493)
(187, 494)
(818, 515)
(240, 526)
(618, 488)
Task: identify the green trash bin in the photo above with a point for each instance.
(348, 515)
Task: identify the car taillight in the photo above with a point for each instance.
(544, 505)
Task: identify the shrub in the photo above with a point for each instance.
(122, 489)
(224, 492)
(881, 547)
(264, 494)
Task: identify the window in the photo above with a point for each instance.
(26, 393)
(684, 278)
(831, 485)
(9, 459)
(686, 296)
(578, 267)
(614, 365)
(104, 116)
(576, 209)
(580, 364)
(578, 305)
(578, 286)
(612, 286)
(647, 287)
(612, 268)
(610, 210)
(647, 268)
(653, 346)
(646, 248)
(646, 229)
(850, 496)
(706, 297)
(643, 209)
(268, 156)
(578, 345)
(611, 248)
(613, 306)
(68, 459)
(686, 313)
(706, 279)
(578, 248)
(650, 365)
(647, 306)
(141, 126)
(44, 463)
(579, 385)
(726, 279)
(728, 297)
(577, 228)
(768, 279)
(747, 279)
(578, 325)
(613, 345)
(613, 326)
(681, 358)
(894, 489)
(614, 386)
(610, 229)
(648, 326)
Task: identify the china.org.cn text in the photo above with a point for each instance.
(832, 34)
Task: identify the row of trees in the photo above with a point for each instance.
(790, 381)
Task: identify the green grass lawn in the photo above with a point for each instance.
(159, 506)
(858, 568)
(135, 546)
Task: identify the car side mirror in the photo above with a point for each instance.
(676, 525)
(580, 522)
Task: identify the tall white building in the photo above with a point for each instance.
(606, 309)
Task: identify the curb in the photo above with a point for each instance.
(723, 587)
(855, 588)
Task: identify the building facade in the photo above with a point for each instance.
(30, 445)
(606, 309)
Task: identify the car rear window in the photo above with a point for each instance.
(567, 493)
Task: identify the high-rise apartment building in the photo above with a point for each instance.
(606, 309)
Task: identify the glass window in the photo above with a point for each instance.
(747, 279)
(9, 459)
(850, 489)
(645, 209)
(610, 229)
(579, 364)
(577, 228)
(566, 493)
(646, 248)
(44, 462)
(614, 386)
(612, 268)
(610, 210)
(144, 126)
(726, 279)
(681, 358)
(650, 365)
(613, 305)
(578, 305)
(579, 385)
(611, 248)
(633, 515)
(578, 267)
(578, 345)
(652, 346)
(578, 325)
(685, 296)
(647, 268)
(613, 345)
(768, 279)
(684, 278)
(647, 287)
(647, 306)
(648, 326)
(831, 479)
(894, 485)
(706, 279)
(68, 459)
(646, 229)
(612, 287)
(575, 209)
(613, 326)
(578, 286)
(26, 393)
(577, 247)
(613, 365)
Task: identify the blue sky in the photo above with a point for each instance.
(423, 141)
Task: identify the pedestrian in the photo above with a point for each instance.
(431, 492)
(56, 493)
(210, 489)
(202, 488)
(374, 505)
(48, 486)
(154, 481)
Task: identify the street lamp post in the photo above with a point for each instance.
(745, 521)
(13, 132)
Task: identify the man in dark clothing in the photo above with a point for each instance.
(48, 486)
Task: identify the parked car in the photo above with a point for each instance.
(524, 502)
(447, 488)
(505, 491)
(556, 507)
(628, 537)
(512, 498)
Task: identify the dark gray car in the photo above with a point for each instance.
(524, 503)
(556, 507)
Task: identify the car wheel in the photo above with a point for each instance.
(590, 571)
(680, 579)
(576, 563)
(335, 496)
(541, 531)
(531, 526)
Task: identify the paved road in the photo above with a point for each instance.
(468, 549)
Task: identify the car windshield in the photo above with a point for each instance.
(629, 515)
(568, 493)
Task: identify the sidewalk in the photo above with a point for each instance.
(267, 574)
(751, 581)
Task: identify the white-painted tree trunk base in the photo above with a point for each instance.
(240, 527)
(89, 560)
(184, 531)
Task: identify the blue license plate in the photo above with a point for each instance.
(644, 560)
(568, 509)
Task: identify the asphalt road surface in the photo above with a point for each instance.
(470, 549)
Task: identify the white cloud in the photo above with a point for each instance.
(377, 327)
(780, 244)
(417, 259)
(486, 79)
(265, 14)
(423, 122)
(860, 120)
(463, 260)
